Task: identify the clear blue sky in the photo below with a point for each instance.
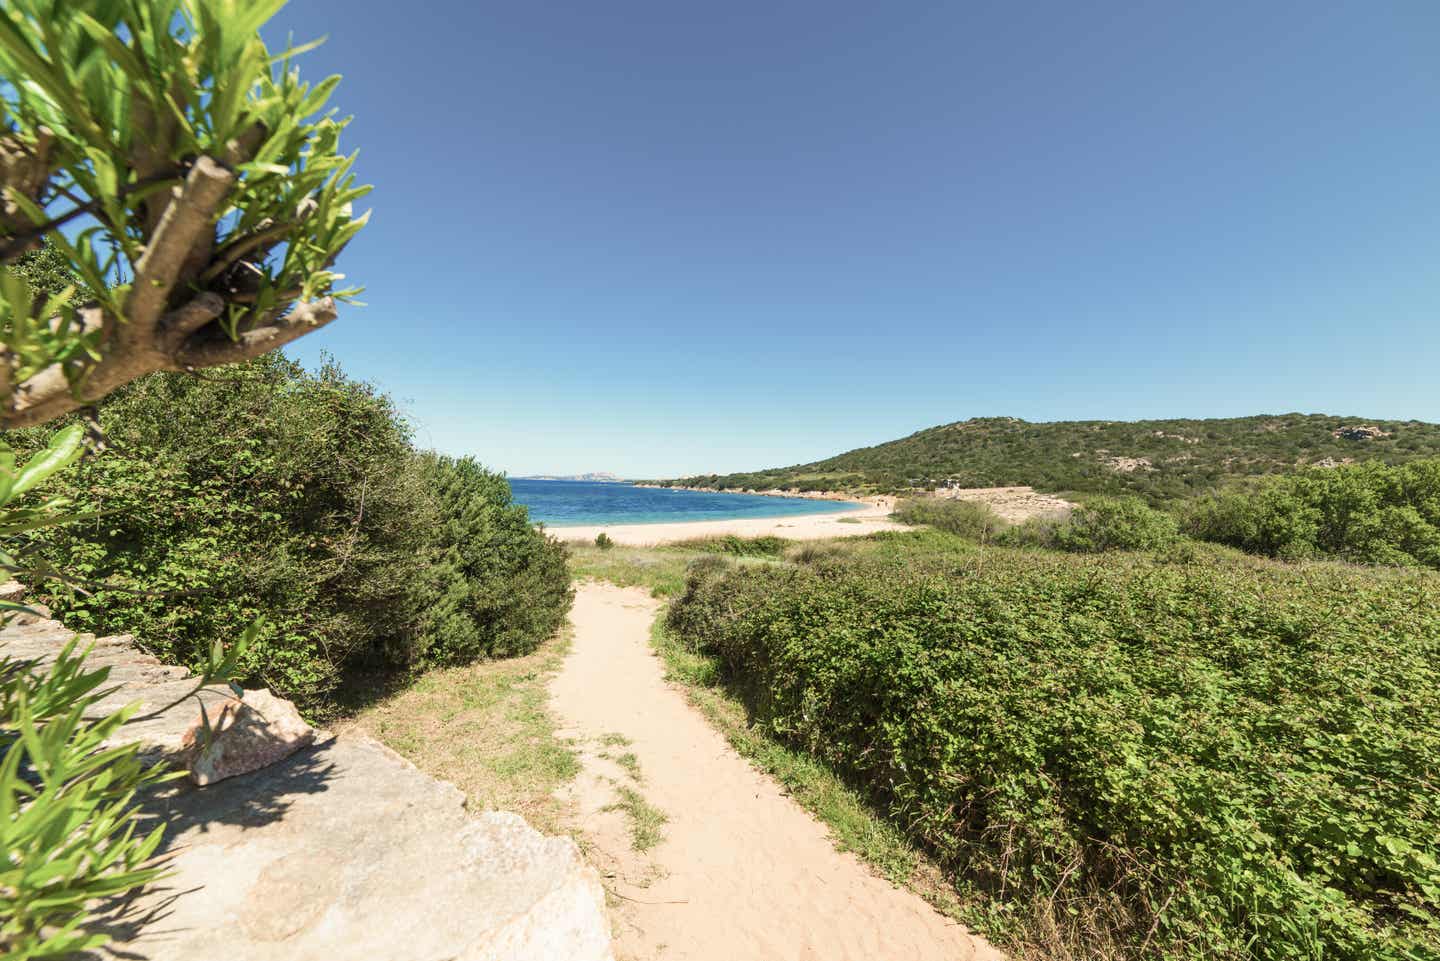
(666, 237)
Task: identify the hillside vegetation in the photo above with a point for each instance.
(1157, 459)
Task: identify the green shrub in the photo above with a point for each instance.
(1229, 760)
(970, 519)
(498, 587)
(764, 546)
(265, 489)
(603, 541)
(1115, 524)
(258, 490)
(816, 552)
(1032, 532)
(1365, 513)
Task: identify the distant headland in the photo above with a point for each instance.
(597, 477)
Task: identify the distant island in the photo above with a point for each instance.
(598, 477)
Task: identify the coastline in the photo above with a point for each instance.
(873, 515)
(771, 492)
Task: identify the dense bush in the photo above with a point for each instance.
(1232, 760)
(499, 588)
(1366, 513)
(736, 546)
(969, 519)
(264, 489)
(1116, 524)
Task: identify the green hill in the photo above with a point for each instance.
(1159, 459)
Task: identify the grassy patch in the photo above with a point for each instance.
(484, 728)
(660, 570)
(646, 820)
(631, 765)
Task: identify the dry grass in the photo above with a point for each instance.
(484, 728)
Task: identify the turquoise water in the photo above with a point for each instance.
(561, 503)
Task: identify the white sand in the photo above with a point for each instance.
(1014, 504)
(874, 516)
(743, 872)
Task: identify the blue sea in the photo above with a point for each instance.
(560, 503)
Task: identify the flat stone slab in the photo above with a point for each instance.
(340, 850)
(346, 850)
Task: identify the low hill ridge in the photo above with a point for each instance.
(1158, 459)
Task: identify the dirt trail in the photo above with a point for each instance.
(743, 873)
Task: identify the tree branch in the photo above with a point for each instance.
(21, 241)
(24, 171)
(176, 326)
(211, 351)
(226, 257)
(189, 217)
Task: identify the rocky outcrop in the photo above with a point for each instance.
(1358, 432)
(317, 847)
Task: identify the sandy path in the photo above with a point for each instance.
(874, 516)
(743, 873)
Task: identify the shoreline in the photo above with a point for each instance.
(770, 492)
(872, 514)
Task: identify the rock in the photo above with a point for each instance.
(34, 615)
(245, 736)
(12, 591)
(1358, 432)
(346, 850)
(342, 849)
(1127, 465)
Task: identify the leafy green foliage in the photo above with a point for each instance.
(969, 519)
(1115, 524)
(1155, 459)
(67, 820)
(498, 587)
(111, 103)
(17, 480)
(47, 270)
(264, 489)
(604, 541)
(736, 546)
(1365, 513)
(1227, 760)
(257, 490)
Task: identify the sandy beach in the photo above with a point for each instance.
(873, 516)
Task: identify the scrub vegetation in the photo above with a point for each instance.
(1225, 758)
(1160, 460)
